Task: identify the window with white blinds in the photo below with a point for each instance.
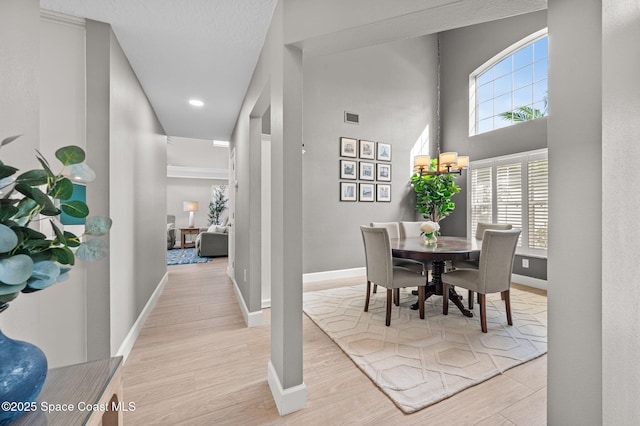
(481, 198)
(512, 189)
(538, 208)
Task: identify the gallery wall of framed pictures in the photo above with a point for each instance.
(365, 170)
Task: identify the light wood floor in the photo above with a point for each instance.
(195, 363)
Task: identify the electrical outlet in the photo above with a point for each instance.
(525, 263)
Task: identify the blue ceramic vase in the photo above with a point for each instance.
(23, 369)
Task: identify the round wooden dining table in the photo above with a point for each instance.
(447, 248)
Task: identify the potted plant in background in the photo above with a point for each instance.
(31, 261)
(217, 205)
(434, 194)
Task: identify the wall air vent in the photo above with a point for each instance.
(350, 117)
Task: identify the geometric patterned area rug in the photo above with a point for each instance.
(417, 362)
(184, 256)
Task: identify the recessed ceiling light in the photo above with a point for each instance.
(196, 102)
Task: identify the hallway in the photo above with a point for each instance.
(195, 363)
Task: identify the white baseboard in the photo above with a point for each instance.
(266, 303)
(287, 400)
(529, 281)
(313, 277)
(252, 319)
(130, 339)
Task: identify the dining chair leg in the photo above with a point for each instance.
(396, 297)
(375, 288)
(389, 301)
(445, 299)
(421, 295)
(470, 299)
(482, 301)
(366, 300)
(506, 295)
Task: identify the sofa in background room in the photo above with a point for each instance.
(171, 231)
(214, 241)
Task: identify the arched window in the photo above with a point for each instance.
(511, 87)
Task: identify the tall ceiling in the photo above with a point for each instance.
(179, 50)
(208, 49)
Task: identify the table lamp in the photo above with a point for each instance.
(192, 208)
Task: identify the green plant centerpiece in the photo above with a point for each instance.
(434, 194)
(30, 260)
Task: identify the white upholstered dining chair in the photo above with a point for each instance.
(473, 264)
(492, 276)
(380, 270)
(410, 229)
(393, 229)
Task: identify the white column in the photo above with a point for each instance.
(575, 213)
(620, 206)
(285, 366)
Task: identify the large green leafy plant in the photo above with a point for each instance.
(30, 260)
(434, 194)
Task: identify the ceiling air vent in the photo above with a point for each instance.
(350, 117)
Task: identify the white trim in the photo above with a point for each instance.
(529, 281)
(535, 154)
(197, 173)
(266, 303)
(287, 400)
(127, 344)
(509, 50)
(60, 18)
(314, 277)
(251, 319)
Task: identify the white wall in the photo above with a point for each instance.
(620, 231)
(196, 153)
(19, 81)
(137, 197)
(393, 87)
(54, 319)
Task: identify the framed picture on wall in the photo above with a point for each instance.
(348, 147)
(367, 171)
(383, 192)
(366, 192)
(367, 150)
(384, 151)
(348, 169)
(347, 191)
(384, 172)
